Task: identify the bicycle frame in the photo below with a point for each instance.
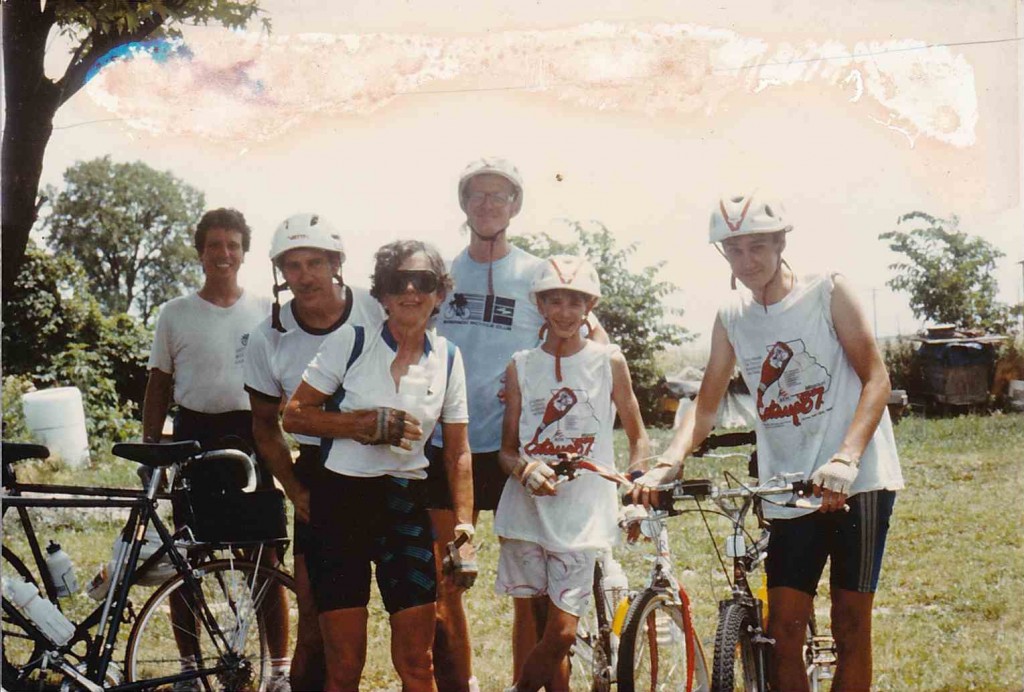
(108, 616)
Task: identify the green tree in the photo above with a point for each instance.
(631, 309)
(56, 335)
(948, 274)
(130, 227)
(95, 29)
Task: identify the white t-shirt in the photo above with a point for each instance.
(574, 415)
(275, 361)
(368, 384)
(203, 346)
(488, 329)
(805, 389)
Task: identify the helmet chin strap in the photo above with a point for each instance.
(275, 309)
(560, 343)
(490, 253)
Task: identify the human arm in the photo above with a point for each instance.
(159, 387)
(597, 331)
(858, 343)
(458, 463)
(534, 474)
(273, 449)
(629, 414)
(699, 419)
(304, 415)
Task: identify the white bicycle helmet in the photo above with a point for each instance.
(569, 272)
(745, 215)
(305, 231)
(495, 166)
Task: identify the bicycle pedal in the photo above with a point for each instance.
(762, 639)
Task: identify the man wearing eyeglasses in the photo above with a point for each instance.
(489, 316)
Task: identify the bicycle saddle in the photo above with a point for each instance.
(14, 452)
(157, 454)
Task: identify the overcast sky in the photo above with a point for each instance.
(635, 114)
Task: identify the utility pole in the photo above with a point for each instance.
(1021, 263)
(874, 310)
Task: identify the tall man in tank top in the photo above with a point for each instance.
(489, 316)
(804, 347)
(196, 361)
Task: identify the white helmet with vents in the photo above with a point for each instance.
(495, 166)
(568, 272)
(745, 215)
(305, 231)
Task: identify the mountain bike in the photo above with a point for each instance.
(230, 622)
(742, 647)
(645, 641)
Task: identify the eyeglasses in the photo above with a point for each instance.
(422, 280)
(502, 199)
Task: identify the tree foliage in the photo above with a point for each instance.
(130, 227)
(947, 274)
(631, 309)
(95, 28)
(56, 335)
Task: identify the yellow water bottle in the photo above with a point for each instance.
(761, 593)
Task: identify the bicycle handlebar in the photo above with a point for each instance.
(704, 489)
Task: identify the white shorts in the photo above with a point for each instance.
(527, 570)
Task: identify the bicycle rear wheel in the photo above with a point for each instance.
(235, 643)
(735, 663)
(591, 655)
(20, 650)
(658, 649)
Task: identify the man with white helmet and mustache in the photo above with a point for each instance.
(309, 253)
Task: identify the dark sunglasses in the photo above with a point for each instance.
(422, 280)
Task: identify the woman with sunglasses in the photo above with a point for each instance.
(369, 504)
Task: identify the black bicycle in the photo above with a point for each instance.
(742, 647)
(232, 621)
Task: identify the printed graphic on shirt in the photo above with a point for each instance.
(473, 308)
(792, 386)
(568, 424)
(240, 349)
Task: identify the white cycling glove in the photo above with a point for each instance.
(838, 474)
(533, 474)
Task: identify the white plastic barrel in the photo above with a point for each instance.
(56, 419)
(1016, 395)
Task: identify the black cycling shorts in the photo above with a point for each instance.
(308, 469)
(488, 480)
(854, 540)
(357, 521)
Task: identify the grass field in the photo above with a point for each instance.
(950, 608)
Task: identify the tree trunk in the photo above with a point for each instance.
(31, 101)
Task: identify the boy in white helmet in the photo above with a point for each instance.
(560, 397)
(489, 316)
(309, 253)
(804, 346)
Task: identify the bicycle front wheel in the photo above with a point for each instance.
(658, 649)
(735, 663)
(241, 618)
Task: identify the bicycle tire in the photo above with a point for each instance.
(231, 590)
(19, 649)
(658, 649)
(591, 654)
(734, 649)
